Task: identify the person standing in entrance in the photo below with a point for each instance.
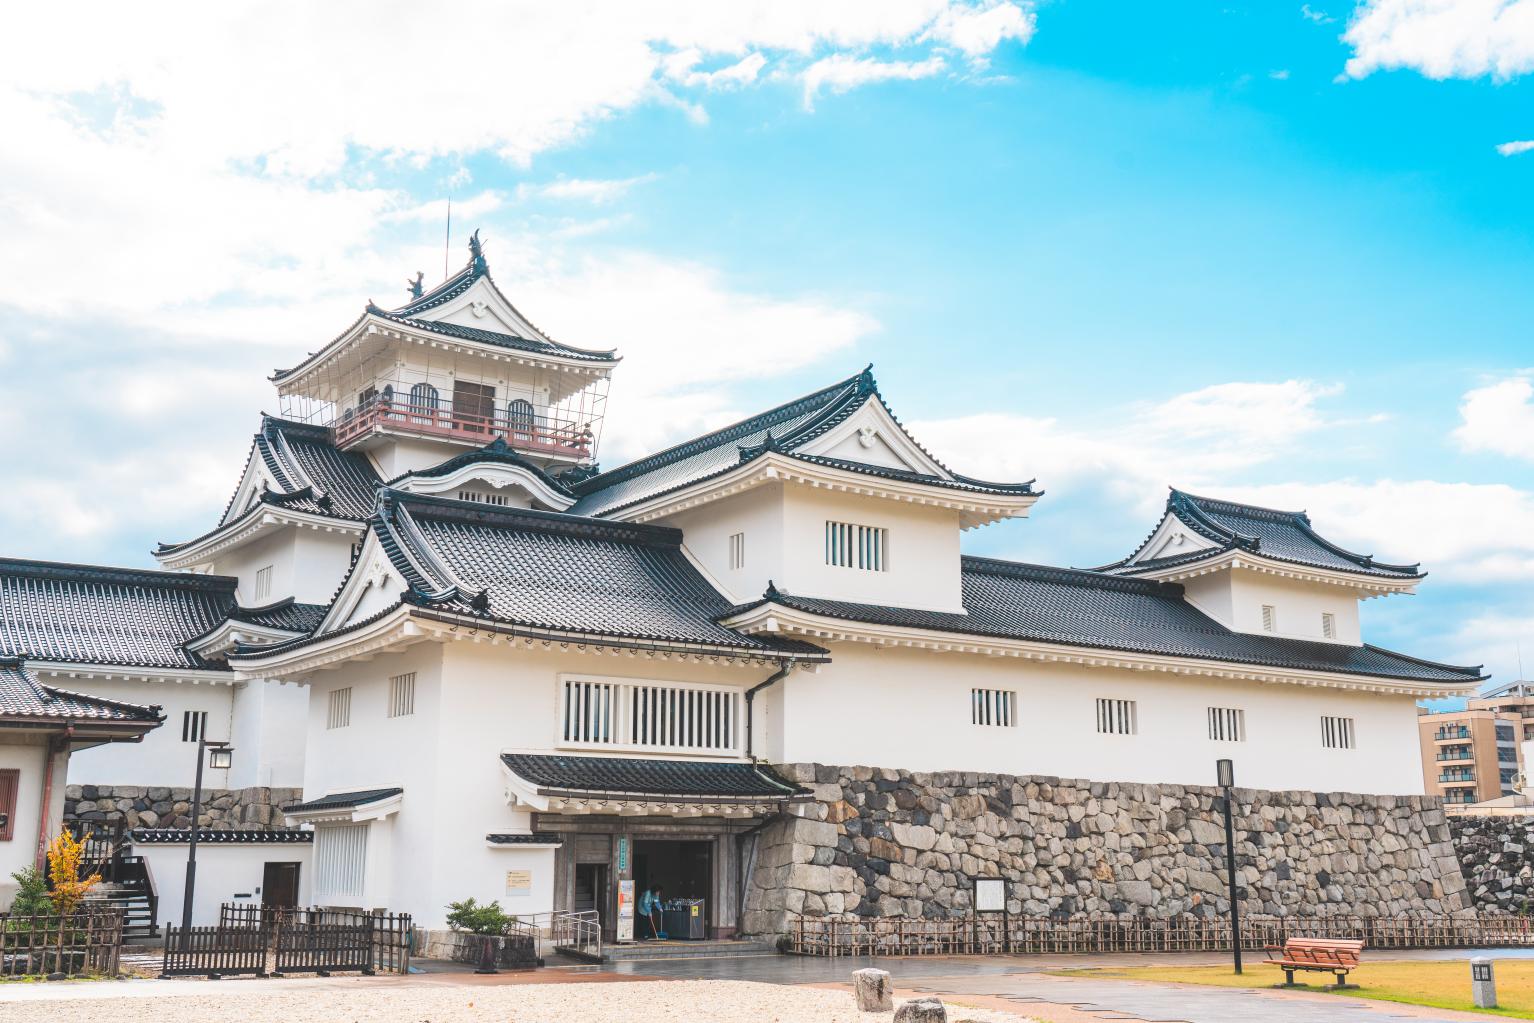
(650, 910)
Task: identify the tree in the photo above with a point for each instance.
(69, 890)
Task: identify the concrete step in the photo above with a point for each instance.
(686, 950)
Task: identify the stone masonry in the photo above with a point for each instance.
(149, 806)
(881, 842)
(1497, 856)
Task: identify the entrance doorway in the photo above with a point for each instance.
(591, 889)
(684, 870)
(279, 885)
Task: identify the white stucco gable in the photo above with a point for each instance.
(373, 586)
(483, 307)
(522, 487)
(1172, 538)
(871, 436)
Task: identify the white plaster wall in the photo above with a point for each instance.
(911, 709)
(1234, 597)
(225, 873)
(161, 758)
(307, 565)
(268, 724)
(20, 851)
(758, 514)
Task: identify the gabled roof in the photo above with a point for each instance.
(785, 429)
(344, 800)
(1010, 600)
(497, 452)
(88, 614)
(287, 615)
(311, 474)
(1285, 536)
(22, 696)
(540, 345)
(637, 776)
(555, 571)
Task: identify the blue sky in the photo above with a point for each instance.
(1268, 251)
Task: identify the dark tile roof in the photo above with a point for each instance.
(678, 779)
(497, 452)
(543, 838)
(1008, 600)
(499, 340)
(311, 473)
(1280, 535)
(558, 572)
(343, 800)
(784, 429)
(222, 836)
(23, 696)
(287, 615)
(87, 614)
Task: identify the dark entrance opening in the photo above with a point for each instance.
(684, 870)
(279, 885)
(591, 889)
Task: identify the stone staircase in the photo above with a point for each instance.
(649, 950)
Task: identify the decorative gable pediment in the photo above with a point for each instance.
(1172, 538)
(521, 486)
(871, 436)
(373, 586)
(483, 307)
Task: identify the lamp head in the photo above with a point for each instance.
(1225, 771)
(221, 756)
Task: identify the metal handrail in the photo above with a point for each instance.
(538, 430)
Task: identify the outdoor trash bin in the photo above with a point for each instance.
(685, 919)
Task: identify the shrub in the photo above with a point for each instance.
(470, 916)
(69, 888)
(31, 894)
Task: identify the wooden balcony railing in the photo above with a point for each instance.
(522, 430)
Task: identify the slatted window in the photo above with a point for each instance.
(1337, 733)
(1117, 717)
(1269, 618)
(340, 859)
(402, 695)
(339, 713)
(849, 545)
(1328, 625)
(993, 707)
(1227, 724)
(263, 584)
(478, 497)
(194, 725)
(651, 716)
(737, 550)
(10, 786)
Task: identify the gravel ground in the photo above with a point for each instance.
(686, 1001)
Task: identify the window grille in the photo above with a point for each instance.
(849, 545)
(1117, 717)
(194, 725)
(1328, 625)
(423, 397)
(340, 859)
(1337, 733)
(1227, 724)
(10, 786)
(651, 716)
(737, 550)
(340, 708)
(263, 584)
(993, 707)
(478, 497)
(520, 417)
(402, 695)
(1269, 618)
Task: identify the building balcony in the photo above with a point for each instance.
(520, 424)
(1451, 735)
(1456, 778)
(1456, 783)
(1456, 754)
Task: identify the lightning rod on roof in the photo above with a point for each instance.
(447, 238)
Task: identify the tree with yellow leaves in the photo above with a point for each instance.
(69, 889)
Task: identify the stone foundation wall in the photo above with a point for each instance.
(1497, 857)
(880, 842)
(151, 806)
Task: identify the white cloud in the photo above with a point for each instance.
(1514, 148)
(841, 73)
(1309, 13)
(1499, 418)
(682, 67)
(1443, 38)
(1281, 75)
(592, 190)
(976, 31)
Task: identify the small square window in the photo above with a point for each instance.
(402, 695)
(1117, 717)
(1328, 625)
(1227, 724)
(340, 709)
(194, 725)
(993, 707)
(263, 584)
(1337, 733)
(1269, 618)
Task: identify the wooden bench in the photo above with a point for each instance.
(1337, 956)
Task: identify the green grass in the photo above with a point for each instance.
(1439, 984)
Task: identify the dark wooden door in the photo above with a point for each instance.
(279, 885)
(473, 405)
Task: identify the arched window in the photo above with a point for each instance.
(423, 397)
(520, 417)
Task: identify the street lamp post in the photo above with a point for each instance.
(220, 756)
(1225, 771)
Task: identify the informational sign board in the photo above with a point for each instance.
(623, 853)
(990, 895)
(519, 882)
(625, 908)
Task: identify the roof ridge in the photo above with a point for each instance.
(714, 438)
(1237, 507)
(113, 573)
(1069, 576)
(554, 523)
(1478, 669)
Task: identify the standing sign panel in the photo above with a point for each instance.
(626, 909)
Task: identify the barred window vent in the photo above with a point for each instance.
(1269, 618)
(339, 713)
(194, 725)
(1117, 717)
(479, 497)
(1227, 724)
(263, 585)
(1337, 733)
(993, 707)
(650, 716)
(737, 550)
(402, 695)
(849, 545)
(1328, 625)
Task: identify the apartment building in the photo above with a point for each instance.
(1472, 755)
